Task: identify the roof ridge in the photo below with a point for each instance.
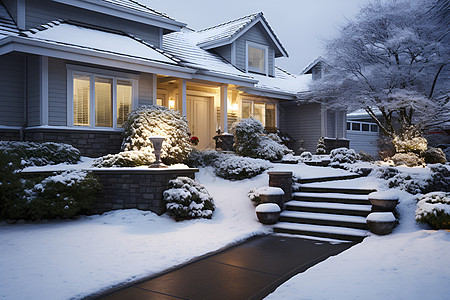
(151, 9)
(232, 21)
(285, 71)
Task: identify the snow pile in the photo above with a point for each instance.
(268, 208)
(251, 141)
(254, 194)
(187, 199)
(384, 195)
(434, 209)
(380, 217)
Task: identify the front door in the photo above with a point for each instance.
(199, 115)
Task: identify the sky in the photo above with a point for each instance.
(301, 25)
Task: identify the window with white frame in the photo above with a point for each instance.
(100, 100)
(264, 112)
(257, 58)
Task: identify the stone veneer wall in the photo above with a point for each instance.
(90, 143)
(9, 135)
(138, 188)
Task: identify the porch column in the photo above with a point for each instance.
(182, 93)
(224, 108)
(154, 88)
(44, 90)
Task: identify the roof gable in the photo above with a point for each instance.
(7, 25)
(228, 32)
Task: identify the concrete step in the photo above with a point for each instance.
(329, 208)
(318, 189)
(332, 197)
(330, 178)
(324, 219)
(332, 232)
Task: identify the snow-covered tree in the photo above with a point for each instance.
(392, 58)
(321, 148)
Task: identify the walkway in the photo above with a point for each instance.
(250, 270)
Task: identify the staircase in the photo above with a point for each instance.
(327, 212)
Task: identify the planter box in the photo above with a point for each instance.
(273, 195)
(381, 223)
(383, 201)
(268, 213)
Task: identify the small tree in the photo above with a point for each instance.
(321, 149)
(393, 58)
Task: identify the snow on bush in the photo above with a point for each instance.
(408, 159)
(410, 141)
(125, 159)
(155, 120)
(40, 154)
(251, 141)
(237, 168)
(434, 210)
(198, 158)
(343, 155)
(438, 179)
(290, 159)
(306, 156)
(188, 199)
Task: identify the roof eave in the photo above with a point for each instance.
(27, 45)
(224, 78)
(258, 91)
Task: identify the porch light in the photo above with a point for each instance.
(171, 103)
(234, 107)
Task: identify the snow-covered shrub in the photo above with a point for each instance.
(13, 203)
(236, 168)
(410, 141)
(125, 159)
(40, 154)
(434, 155)
(321, 149)
(155, 120)
(198, 158)
(434, 210)
(306, 156)
(364, 156)
(187, 199)
(408, 159)
(290, 159)
(343, 155)
(440, 178)
(251, 141)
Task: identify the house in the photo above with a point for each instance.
(71, 71)
(363, 133)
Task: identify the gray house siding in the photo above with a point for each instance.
(145, 89)
(258, 35)
(12, 89)
(11, 6)
(33, 90)
(57, 92)
(39, 12)
(225, 52)
(335, 124)
(302, 122)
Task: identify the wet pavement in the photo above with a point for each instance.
(250, 270)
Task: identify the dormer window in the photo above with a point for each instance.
(257, 58)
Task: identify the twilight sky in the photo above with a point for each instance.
(301, 25)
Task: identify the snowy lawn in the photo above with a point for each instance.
(410, 263)
(74, 258)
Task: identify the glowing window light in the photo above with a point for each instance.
(171, 103)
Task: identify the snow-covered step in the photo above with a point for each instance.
(311, 188)
(329, 208)
(324, 219)
(330, 178)
(340, 233)
(332, 197)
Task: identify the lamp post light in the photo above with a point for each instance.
(157, 144)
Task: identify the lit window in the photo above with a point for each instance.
(263, 112)
(257, 57)
(81, 100)
(124, 96)
(94, 101)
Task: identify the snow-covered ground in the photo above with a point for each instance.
(74, 258)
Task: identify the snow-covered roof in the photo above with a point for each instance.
(362, 114)
(183, 45)
(283, 82)
(226, 33)
(63, 33)
(307, 69)
(7, 25)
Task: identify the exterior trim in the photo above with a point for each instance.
(21, 15)
(44, 90)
